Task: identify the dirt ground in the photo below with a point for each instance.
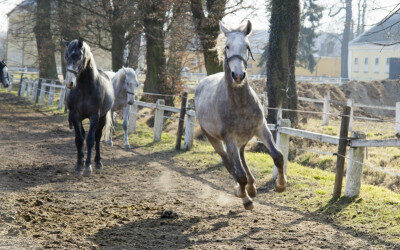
(141, 200)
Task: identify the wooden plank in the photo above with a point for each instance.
(375, 143)
(374, 107)
(309, 135)
(306, 99)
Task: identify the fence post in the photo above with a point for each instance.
(42, 92)
(282, 142)
(20, 83)
(29, 88)
(62, 97)
(190, 122)
(133, 114)
(11, 83)
(350, 103)
(344, 131)
(158, 121)
(325, 109)
(354, 168)
(51, 94)
(397, 125)
(181, 122)
(23, 87)
(266, 103)
(34, 92)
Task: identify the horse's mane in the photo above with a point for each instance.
(89, 58)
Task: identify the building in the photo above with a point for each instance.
(372, 55)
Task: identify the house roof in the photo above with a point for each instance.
(24, 5)
(386, 31)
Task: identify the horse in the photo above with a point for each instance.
(124, 82)
(4, 76)
(230, 114)
(92, 97)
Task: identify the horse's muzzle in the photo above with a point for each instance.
(70, 85)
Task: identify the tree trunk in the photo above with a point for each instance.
(154, 16)
(282, 50)
(117, 41)
(134, 49)
(44, 41)
(346, 40)
(207, 29)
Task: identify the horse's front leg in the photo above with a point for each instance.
(109, 142)
(266, 137)
(79, 139)
(98, 133)
(94, 120)
(250, 187)
(241, 178)
(125, 125)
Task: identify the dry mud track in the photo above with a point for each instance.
(44, 205)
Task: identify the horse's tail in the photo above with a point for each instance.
(108, 127)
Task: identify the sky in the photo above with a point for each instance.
(378, 9)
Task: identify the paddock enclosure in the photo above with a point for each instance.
(144, 198)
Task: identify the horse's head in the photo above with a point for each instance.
(76, 56)
(237, 51)
(4, 77)
(131, 83)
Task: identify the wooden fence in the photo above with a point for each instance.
(357, 142)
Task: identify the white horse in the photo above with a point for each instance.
(230, 113)
(125, 82)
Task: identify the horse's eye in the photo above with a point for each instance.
(227, 47)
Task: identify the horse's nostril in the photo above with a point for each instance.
(233, 76)
(244, 75)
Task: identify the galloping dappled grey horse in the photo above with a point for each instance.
(4, 77)
(124, 82)
(92, 97)
(230, 112)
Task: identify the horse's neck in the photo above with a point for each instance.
(88, 77)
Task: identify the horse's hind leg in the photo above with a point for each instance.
(79, 138)
(94, 120)
(125, 125)
(266, 137)
(250, 187)
(241, 178)
(97, 159)
(109, 142)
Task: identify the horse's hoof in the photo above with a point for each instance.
(248, 203)
(238, 192)
(127, 146)
(98, 167)
(87, 171)
(280, 184)
(251, 190)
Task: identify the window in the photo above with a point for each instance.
(376, 68)
(356, 64)
(387, 65)
(366, 64)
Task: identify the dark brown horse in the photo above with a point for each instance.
(92, 97)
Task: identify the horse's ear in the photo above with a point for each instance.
(65, 43)
(80, 42)
(223, 29)
(247, 29)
